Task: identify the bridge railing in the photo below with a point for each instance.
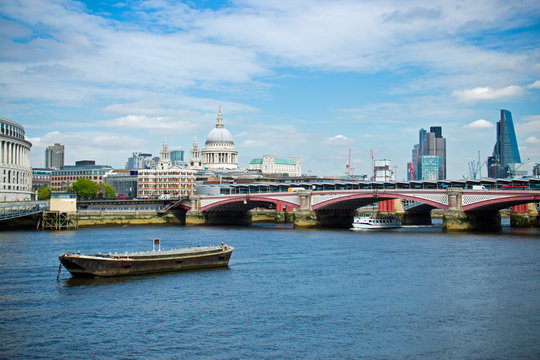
(15, 210)
(487, 184)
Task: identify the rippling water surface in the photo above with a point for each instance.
(315, 294)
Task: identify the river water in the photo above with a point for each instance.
(413, 293)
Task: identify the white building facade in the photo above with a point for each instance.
(383, 171)
(15, 170)
(166, 180)
(270, 165)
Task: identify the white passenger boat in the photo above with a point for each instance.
(376, 222)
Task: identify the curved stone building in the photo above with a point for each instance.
(219, 152)
(15, 170)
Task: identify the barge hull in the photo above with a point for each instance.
(86, 266)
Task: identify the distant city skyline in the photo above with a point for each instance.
(306, 79)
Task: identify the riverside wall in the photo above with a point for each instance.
(120, 218)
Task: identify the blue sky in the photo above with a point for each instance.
(310, 79)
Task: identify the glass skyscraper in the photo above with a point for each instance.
(431, 146)
(506, 152)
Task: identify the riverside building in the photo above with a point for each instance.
(15, 170)
(166, 180)
(68, 174)
(270, 165)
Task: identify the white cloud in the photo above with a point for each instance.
(153, 123)
(534, 85)
(531, 125)
(338, 140)
(479, 124)
(532, 140)
(487, 93)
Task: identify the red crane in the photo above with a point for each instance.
(373, 162)
(412, 167)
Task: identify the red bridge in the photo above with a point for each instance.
(463, 209)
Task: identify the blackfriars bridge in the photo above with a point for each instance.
(462, 209)
(335, 204)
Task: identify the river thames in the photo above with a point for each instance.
(413, 293)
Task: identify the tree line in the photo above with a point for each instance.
(85, 189)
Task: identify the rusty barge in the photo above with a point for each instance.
(190, 258)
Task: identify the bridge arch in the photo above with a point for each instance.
(500, 203)
(245, 203)
(354, 201)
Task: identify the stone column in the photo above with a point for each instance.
(454, 218)
(305, 216)
(195, 216)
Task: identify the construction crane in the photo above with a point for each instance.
(513, 172)
(373, 162)
(348, 166)
(412, 167)
(475, 167)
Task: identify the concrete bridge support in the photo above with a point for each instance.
(305, 216)
(195, 216)
(394, 207)
(455, 219)
(525, 215)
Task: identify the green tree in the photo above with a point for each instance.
(84, 188)
(105, 191)
(44, 193)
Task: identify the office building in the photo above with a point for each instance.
(124, 182)
(383, 170)
(68, 174)
(429, 167)
(502, 163)
(177, 156)
(138, 160)
(41, 177)
(54, 156)
(166, 180)
(430, 144)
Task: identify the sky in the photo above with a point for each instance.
(308, 79)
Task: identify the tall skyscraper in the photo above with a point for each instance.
(506, 152)
(54, 156)
(431, 145)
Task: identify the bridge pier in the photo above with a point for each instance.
(394, 207)
(525, 215)
(195, 216)
(305, 216)
(455, 219)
